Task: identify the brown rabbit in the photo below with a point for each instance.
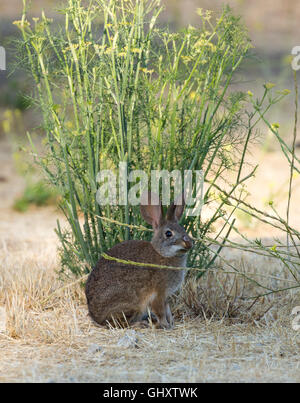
(116, 289)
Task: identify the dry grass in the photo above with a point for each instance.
(219, 335)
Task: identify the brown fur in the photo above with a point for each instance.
(116, 289)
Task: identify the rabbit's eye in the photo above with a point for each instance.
(168, 234)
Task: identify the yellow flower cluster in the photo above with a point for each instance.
(269, 86)
(284, 92)
(21, 23)
(206, 15)
(72, 46)
(136, 50)
(205, 43)
(146, 71)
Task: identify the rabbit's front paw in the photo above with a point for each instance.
(162, 311)
(169, 316)
(143, 324)
(163, 324)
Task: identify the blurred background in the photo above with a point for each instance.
(274, 30)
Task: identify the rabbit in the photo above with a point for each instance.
(116, 289)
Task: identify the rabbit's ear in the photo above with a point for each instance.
(176, 209)
(151, 209)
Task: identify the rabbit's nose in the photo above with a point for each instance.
(188, 243)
